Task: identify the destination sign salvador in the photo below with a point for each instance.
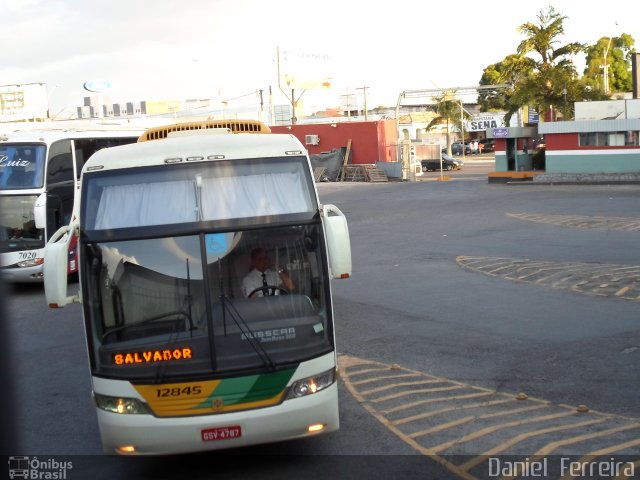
(153, 356)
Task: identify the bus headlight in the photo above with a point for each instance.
(120, 404)
(311, 385)
(34, 262)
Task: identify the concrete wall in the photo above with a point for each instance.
(564, 155)
(592, 161)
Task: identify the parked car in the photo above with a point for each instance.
(488, 145)
(448, 163)
(456, 148)
(457, 163)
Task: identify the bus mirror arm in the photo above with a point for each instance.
(56, 257)
(338, 243)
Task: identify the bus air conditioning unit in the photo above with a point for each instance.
(312, 139)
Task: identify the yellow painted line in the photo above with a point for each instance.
(615, 448)
(504, 413)
(397, 385)
(415, 445)
(433, 453)
(546, 450)
(387, 377)
(525, 436)
(442, 427)
(421, 416)
(413, 392)
(436, 400)
(495, 271)
(485, 416)
(622, 291)
(362, 372)
(486, 431)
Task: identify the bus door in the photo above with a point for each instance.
(60, 184)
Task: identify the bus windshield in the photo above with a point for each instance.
(21, 166)
(17, 225)
(170, 262)
(184, 306)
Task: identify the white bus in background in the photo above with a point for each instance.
(181, 359)
(44, 165)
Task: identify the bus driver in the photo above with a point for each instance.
(263, 281)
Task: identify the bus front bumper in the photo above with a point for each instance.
(150, 435)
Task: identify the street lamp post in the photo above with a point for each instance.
(462, 129)
(605, 69)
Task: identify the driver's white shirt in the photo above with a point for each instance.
(253, 280)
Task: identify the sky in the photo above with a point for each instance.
(227, 49)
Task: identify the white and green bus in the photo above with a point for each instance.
(182, 358)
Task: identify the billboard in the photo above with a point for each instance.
(484, 121)
(607, 110)
(303, 70)
(20, 102)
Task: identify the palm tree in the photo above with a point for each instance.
(449, 110)
(554, 70)
(542, 70)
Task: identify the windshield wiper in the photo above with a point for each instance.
(227, 303)
(179, 313)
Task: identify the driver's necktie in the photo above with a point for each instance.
(264, 279)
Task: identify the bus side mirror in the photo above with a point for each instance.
(56, 259)
(40, 211)
(338, 242)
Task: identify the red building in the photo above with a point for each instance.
(371, 141)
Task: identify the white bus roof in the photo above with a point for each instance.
(196, 148)
(49, 136)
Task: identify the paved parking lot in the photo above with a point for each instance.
(492, 319)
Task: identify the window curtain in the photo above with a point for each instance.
(254, 196)
(145, 204)
(164, 203)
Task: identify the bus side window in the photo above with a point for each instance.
(60, 164)
(60, 185)
(84, 147)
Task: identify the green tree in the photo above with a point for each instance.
(541, 72)
(449, 111)
(617, 51)
(512, 71)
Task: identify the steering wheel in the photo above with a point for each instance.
(269, 290)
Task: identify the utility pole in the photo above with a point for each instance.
(348, 103)
(271, 112)
(293, 107)
(364, 90)
(291, 83)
